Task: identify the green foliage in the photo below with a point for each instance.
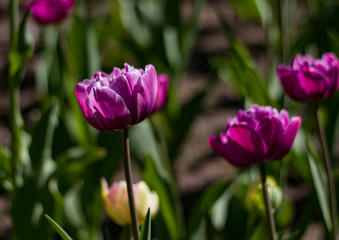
(145, 233)
(57, 228)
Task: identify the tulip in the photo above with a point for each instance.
(123, 98)
(256, 134)
(50, 11)
(162, 92)
(309, 79)
(116, 201)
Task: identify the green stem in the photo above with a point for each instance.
(14, 91)
(128, 175)
(15, 124)
(13, 9)
(268, 206)
(329, 174)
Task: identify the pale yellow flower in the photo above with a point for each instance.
(116, 201)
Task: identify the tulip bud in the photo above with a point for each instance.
(255, 200)
(116, 201)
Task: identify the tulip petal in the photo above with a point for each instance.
(266, 130)
(247, 138)
(81, 91)
(146, 92)
(161, 98)
(111, 109)
(290, 83)
(313, 84)
(223, 150)
(235, 153)
(286, 141)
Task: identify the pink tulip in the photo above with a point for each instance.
(50, 11)
(123, 98)
(308, 79)
(255, 135)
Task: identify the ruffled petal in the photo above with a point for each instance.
(146, 92)
(82, 90)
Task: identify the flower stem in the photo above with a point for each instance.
(128, 175)
(326, 156)
(268, 206)
(14, 91)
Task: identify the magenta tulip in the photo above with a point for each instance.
(50, 11)
(255, 135)
(309, 79)
(123, 98)
(161, 99)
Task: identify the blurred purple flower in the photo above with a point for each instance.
(256, 134)
(309, 79)
(161, 99)
(50, 11)
(123, 98)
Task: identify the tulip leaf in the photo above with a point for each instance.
(206, 203)
(319, 180)
(74, 162)
(145, 233)
(182, 123)
(62, 233)
(5, 168)
(40, 149)
(169, 224)
(143, 143)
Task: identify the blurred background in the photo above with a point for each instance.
(220, 56)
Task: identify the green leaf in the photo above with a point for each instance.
(5, 169)
(169, 225)
(75, 162)
(182, 122)
(320, 184)
(145, 233)
(57, 228)
(208, 201)
(22, 50)
(238, 68)
(40, 149)
(143, 143)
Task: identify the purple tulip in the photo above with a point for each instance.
(255, 135)
(309, 79)
(116, 101)
(162, 92)
(50, 11)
